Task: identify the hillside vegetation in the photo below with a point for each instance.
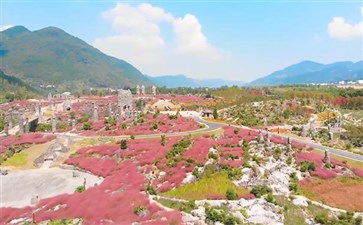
(51, 56)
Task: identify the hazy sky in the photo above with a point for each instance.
(236, 40)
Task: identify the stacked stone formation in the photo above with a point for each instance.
(6, 128)
(39, 112)
(67, 105)
(303, 131)
(260, 137)
(21, 122)
(312, 125)
(95, 113)
(73, 124)
(268, 138)
(142, 90)
(125, 102)
(331, 135)
(289, 143)
(27, 125)
(10, 119)
(54, 124)
(153, 90)
(326, 157)
(138, 90)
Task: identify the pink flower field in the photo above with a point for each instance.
(113, 201)
(29, 138)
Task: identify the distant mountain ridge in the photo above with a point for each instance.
(52, 56)
(173, 81)
(311, 72)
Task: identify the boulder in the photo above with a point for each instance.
(300, 201)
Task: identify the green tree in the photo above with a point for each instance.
(123, 144)
(215, 113)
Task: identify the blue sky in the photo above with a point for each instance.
(236, 40)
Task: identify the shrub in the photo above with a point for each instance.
(277, 153)
(322, 218)
(151, 190)
(307, 166)
(163, 140)
(84, 118)
(231, 194)
(294, 183)
(124, 126)
(141, 210)
(80, 189)
(234, 173)
(87, 126)
(196, 173)
(154, 126)
(289, 160)
(72, 115)
(212, 155)
(269, 198)
(261, 190)
(214, 214)
(43, 127)
(123, 144)
(187, 206)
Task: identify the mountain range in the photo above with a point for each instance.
(50, 56)
(173, 81)
(311, 72)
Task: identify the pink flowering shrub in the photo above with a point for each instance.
(29, 138)
(114, 199)
(247, 196)
(323, 173)
(358, 172)
(310, 157)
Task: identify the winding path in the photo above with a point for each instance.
(214, 126)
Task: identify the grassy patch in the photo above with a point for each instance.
(17, 160)
(314, 210)
(293, 215)
(211, 133)
(217, 184)
(182, 206)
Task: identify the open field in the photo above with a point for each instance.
(339, 193)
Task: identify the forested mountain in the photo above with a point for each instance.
(52, 56)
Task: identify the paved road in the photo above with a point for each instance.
(316, 146)
(213, 126)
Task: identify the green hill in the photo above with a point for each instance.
(12, 88)
(51, 56)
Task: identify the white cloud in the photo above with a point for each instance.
(340, 29)
(5, 27)
(139, 40)
(190, 38)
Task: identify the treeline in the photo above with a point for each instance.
(11, 92)
(347, 98)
